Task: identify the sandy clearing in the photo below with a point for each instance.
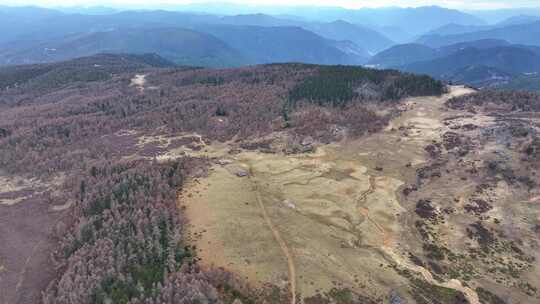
(17, 185)
(139, 81)
(17, 189)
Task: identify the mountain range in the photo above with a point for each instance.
(405, 54)
(180, 46)
(528, 33)
(334, 36)
(41, 35)
(415, 20)
(480, 63)
(444, 43)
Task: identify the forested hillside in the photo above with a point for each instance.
(94, 68)
(206, 153)
(122, 240)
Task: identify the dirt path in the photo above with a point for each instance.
(365, 211)
(282, 244)
(363, 196)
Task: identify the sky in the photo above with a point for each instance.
(458, 4)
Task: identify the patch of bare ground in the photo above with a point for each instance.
(336, 216)
(139, 81)
(25, 235)
(26, 223)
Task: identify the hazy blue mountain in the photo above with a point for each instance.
(281, 44)
(402, 54)
(454, 28)
(249, 44)
(87, 10)
(323, 35)
(211, 45)
(509, 59)
(15, 21)
(413, 20)
(499, 15)
(358, 55)
(26, 13)
(258, 20)
(520, 19)
(364, 37)
(394, 33)
(532, 48)
(53, 26)
(528, 34)
(331, 23)
(477, 44)
(486, 62)
(161, 17)
(180, 46)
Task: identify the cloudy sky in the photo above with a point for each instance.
(460, 4)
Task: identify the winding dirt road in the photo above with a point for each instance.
(282, 244)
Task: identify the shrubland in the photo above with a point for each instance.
(512, 100)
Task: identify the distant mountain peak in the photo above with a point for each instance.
(519, 19)
(341, 22)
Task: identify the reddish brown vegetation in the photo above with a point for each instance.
(122, 241)
(511, 100)
(425, 210)
(478, 206)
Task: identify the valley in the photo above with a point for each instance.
(142, 182)
(337, 210)
(118, 167)
(461, 47)
(349, 152)
(340, 217)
